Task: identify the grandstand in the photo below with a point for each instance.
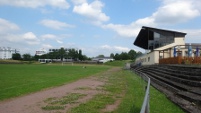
(166, 46)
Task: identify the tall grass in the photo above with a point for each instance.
(19, 79)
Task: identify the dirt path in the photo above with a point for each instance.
(37, 102)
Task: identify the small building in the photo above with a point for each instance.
(7, 52)
(164, 46)
(102, 59)
(45, 60)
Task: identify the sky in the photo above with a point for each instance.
(97, 27)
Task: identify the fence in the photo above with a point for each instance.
(145, 105)
(180, 60)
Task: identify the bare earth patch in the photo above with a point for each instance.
(59, 99)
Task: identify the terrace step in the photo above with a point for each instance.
(190, 96)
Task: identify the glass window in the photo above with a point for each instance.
(156, 35)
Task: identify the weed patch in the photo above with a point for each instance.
(54, 103)
(94, 105)
(53, 107)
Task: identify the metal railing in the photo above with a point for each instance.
(145, 105)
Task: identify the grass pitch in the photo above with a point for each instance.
(20, 79)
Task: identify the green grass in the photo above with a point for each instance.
(160, 104)
(93, 106)
(20, 79)
(120, 63)
(130, 89)
(53, 108)
(121, 85)
(134, 93)
(16, 80)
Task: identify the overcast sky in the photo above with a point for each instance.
(94, 26)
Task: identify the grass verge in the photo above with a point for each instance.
(119, 63)
(159, 103)
(130, 90)
(120, 85)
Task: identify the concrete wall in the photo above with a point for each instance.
(149, 58)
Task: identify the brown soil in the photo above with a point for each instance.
(33, 103)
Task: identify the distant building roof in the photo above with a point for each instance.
(41, 52)
(147, 33)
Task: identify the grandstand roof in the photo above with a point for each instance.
(147, 33)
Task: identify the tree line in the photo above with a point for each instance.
(131, 55)
(75, 55)
(55, 54)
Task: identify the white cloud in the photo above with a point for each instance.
(173, 12)
(123, 30)
(55, 38)
(47, 46)
(106, 47)
(28, 38)
(170, 13)
(115, 48)
(7, 26)
(61, 4)
(76, 2)
(105, 50)
(58, 41)
(92, 11)
(54, 24)
(148, 21)
(193, 35)
(48, 36)
(122, 49)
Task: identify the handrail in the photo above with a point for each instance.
(145, 105)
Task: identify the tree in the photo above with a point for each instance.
(139, 53)
(26, 57)
(16, 56)
(132, 54)
(72, 53)
(111, 55)
(124, 56)
(100, 56)
(36, 57)
(61, 53)
(85, 57)
(80, 56)
(117, 56)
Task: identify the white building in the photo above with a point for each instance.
(102, 60)
(6, 52)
